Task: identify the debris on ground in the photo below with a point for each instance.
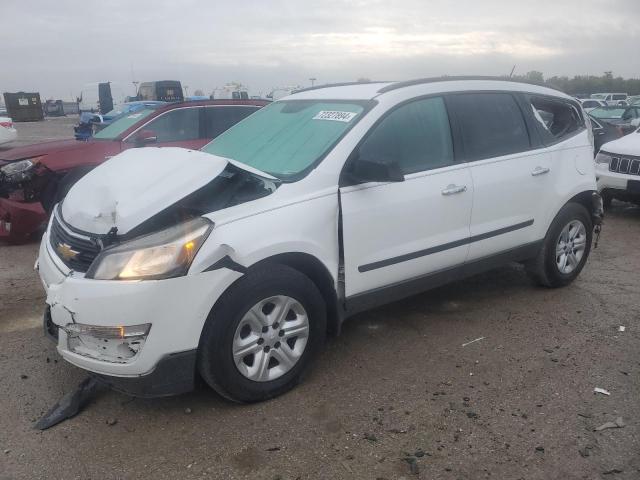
(111, 421)
(619, 423)
(413, 464)
(613, 470)
(371, 437)
(585, 452)
(473, 341)
(601, 390)
(71, 404)
(622, 328)
(540, 449)
(24, 377)
(187, 410)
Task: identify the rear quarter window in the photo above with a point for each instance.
(555, 118)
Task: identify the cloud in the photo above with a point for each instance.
(56, 47)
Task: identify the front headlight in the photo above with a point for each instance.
(163, 254)
(19, 171)
(603, 158)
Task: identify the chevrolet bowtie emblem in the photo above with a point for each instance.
(66, 252)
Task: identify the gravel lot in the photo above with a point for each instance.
(395, 396)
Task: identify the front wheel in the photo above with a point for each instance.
(262, 335)
(565, 248)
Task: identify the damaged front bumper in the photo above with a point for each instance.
(18, 220)
(82, 310)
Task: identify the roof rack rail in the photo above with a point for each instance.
(420, 81)
(341, 84)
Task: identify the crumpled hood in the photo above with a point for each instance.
(39, 149)
(135, 185)
(627, 145)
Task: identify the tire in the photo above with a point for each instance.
(606, 200)
(237, 377)
(545, 268)
(58, 190)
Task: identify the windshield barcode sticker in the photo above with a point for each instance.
(335, 116)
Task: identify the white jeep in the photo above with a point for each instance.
(234, 262)
(618, 169)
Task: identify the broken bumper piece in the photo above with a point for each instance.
(174, 374)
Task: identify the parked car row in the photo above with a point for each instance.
(613, 99)
(34, 178)
(233, 263)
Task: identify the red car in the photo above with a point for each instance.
(36, 177)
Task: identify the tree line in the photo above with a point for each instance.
(584, 84)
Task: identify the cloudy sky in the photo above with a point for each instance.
(56, 46)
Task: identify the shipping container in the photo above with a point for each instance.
(23, 106)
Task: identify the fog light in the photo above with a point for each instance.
(119, 344)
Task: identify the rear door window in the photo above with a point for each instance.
(556, 119)
(220, 119)
(491, 124)
(179, 125)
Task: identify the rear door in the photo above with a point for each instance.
(394, 232)
(512, 179)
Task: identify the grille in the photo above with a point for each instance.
(628, 165)
(82, 250)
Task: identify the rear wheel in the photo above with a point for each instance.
(565, 248)
(262, 335)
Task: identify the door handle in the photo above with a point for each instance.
(540, 171)
(453, 189)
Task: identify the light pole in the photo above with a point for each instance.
(312, 80)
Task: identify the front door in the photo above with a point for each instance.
(394, 232)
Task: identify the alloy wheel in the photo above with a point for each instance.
(571, 246)
(270, 338)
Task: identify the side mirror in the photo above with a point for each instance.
(144, 137)
(363, 171)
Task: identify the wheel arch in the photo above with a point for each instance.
(592, 201)
(313, 268)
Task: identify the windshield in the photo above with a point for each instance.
(607, 112)
(598, 96)
(287, 137)
(112, 131)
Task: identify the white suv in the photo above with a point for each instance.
(234, 262)
(618, 169)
